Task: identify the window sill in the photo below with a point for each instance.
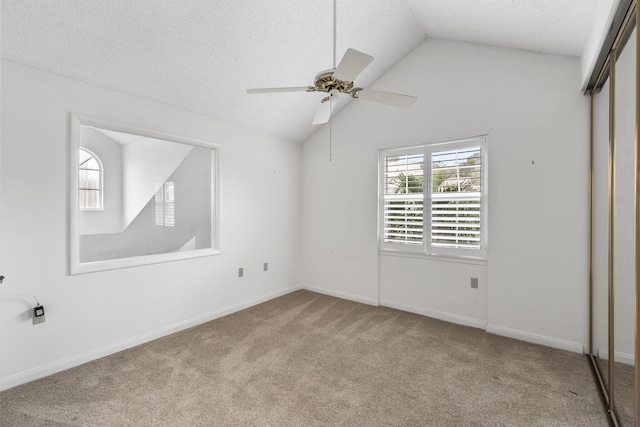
(442, 258)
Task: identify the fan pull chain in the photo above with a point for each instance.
(330, 134)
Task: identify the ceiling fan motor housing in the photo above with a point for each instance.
(325, 82)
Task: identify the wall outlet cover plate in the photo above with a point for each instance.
(38, 315)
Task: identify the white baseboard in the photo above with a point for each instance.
(536, 339)
(338, 294)
(76, 360)
(440, 315)
(626, 358)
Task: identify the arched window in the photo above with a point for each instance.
(89, 181)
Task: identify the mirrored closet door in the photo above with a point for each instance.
(600, 232)
(614, 216)
(624, 249)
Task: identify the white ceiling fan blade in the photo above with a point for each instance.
(352, 64)
(323, 113)
(395, 99)
(278, 89)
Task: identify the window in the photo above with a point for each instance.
(89, 181)
(403, 206)
(165, 205)
(434, 198)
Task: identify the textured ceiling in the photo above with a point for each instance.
(550, 26)
(201, 55)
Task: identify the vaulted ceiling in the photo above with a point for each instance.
(202, 55)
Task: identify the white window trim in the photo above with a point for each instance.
(101, 189)
(426, 249)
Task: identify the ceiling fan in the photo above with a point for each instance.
(341, 79)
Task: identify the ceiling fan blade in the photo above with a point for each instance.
(395, 99)
(278, 89)
(323, 113)
(352, 64)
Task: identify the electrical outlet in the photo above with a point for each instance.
(38, 315)
(474, 282)
(265, 267)
(240, 272)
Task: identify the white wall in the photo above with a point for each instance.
(90, 315)
(339, 213)
(438, 288)
(147, 163)
(535, 284)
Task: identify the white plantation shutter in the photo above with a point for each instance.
(432, 198)
(403, 219)
(456, 189)
(165, 205)
(455, 221)
(403, 205)
(169, 205)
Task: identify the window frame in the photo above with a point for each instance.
(101, 182)
(426, 248)
(76, 266)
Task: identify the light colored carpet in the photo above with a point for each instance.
(307, 359)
